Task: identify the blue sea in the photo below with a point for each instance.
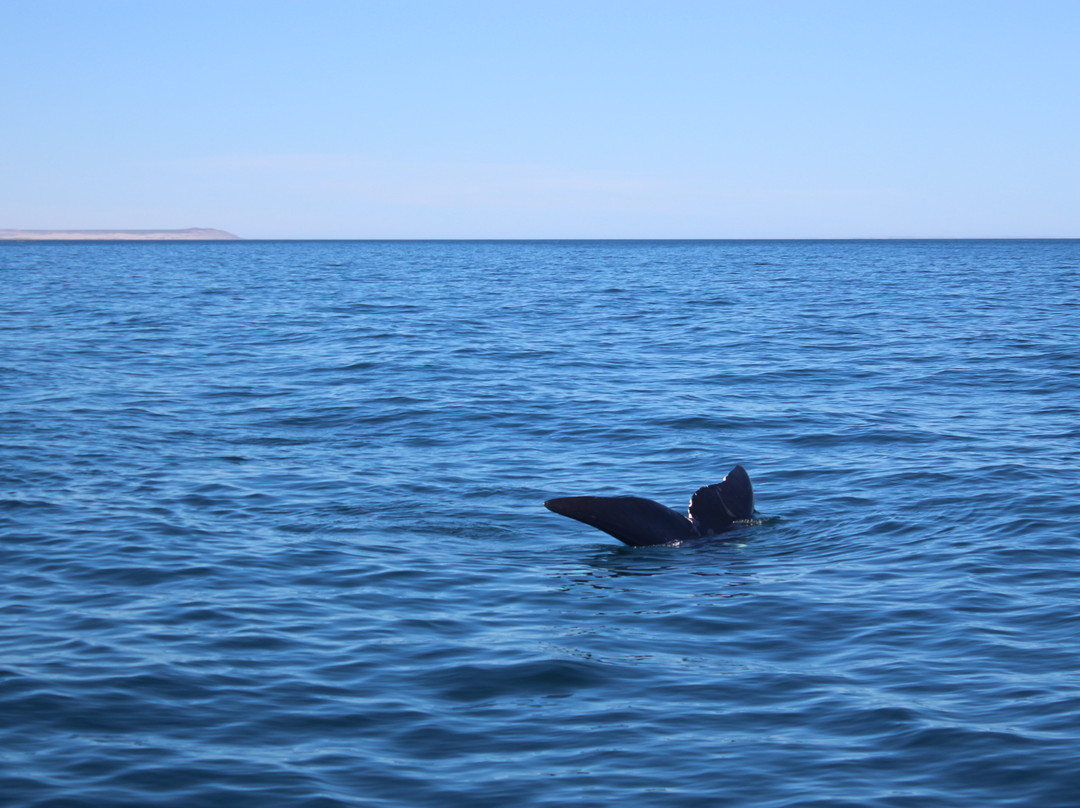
(272, 529)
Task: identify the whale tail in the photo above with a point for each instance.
(715, 507)
(632, 520)
(639, 522)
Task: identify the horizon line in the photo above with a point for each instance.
(234, 238)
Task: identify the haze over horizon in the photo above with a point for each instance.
(543, 120)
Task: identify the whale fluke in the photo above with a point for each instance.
(639, 522)
(633, 520)
(714, 507)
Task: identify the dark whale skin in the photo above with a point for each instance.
(640, 522)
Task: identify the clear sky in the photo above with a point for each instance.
(522, 119)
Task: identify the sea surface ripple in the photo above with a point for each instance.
(271, 524)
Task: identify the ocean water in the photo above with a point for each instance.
(271, 524)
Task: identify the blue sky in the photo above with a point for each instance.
(522, 119)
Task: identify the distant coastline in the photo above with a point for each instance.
(190, 234)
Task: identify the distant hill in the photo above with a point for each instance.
(191, 234)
